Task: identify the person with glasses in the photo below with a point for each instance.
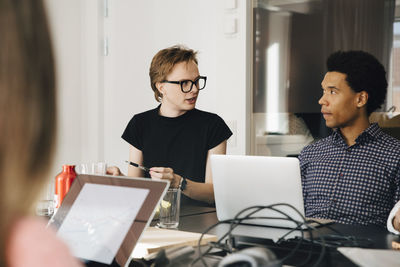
(176, 139)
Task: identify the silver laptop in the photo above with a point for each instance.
(102, 217)
(245, 181)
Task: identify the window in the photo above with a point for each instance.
(396, 65)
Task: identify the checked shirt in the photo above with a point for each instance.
(356, 184)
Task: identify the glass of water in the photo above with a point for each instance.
(45, 205)
(169, 209)
(96, 168)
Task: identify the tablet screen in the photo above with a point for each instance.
(102, 217)
(99, 219)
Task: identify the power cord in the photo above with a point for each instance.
(228, 246)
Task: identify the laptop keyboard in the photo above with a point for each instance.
(297, 251)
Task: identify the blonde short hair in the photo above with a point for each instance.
(163, 63)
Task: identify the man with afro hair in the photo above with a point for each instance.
(353, 175)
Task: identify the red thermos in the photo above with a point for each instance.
(63, 182)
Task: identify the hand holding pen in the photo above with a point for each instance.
(138, 166)
(160, 173)
(115, 171)
(165, 173)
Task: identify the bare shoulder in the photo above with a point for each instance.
(31, 244)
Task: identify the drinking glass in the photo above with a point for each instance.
(169, 209)
(98, 168)
(45, 205)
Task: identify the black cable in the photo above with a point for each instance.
(257, 209)
(228, 233)
(341, 235)
(272, 207)
(238, 221)
(201, 237)
(310, 228)
(327, 225)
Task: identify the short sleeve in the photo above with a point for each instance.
(302, 161)
(219, 132)
(133, 133)
(303, 168)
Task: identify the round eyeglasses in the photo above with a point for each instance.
(187, 85)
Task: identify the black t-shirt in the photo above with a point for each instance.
(181, 143)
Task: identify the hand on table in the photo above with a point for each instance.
(114, 171)
(155, 173)
(396, 220)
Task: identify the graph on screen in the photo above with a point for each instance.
(99, 220)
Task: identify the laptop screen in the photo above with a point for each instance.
(102, 217)
(244, 181)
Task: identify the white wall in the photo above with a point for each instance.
(99, 94)
(65, 23)
(234, 72)
(136, 31)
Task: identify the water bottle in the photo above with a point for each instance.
(63, 182)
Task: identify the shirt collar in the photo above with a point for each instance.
(371, 133)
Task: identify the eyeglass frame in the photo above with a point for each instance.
(191, 86)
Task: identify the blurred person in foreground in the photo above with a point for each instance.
(27, 136)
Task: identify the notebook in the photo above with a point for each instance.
(154, 239)
(102, 217)
(244, 181)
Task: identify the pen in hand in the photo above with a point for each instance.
(138, 166)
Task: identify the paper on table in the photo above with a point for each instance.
(155, 239)
(99, 219)
(372, 257)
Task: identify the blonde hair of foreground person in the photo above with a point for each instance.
(27, 110)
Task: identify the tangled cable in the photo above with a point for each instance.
(302, 226)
